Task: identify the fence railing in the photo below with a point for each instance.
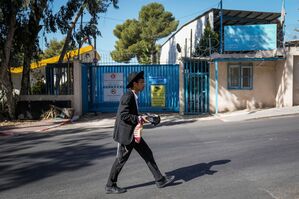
(59, 79)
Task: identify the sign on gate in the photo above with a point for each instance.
(158, 95)
(157, 80)
(113, 86)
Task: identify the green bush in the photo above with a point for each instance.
(38, 88)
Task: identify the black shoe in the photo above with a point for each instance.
(165, 181)
(114, 190)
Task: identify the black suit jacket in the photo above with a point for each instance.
(126, 119)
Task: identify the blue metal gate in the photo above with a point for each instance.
(196, 83)
(103, 85)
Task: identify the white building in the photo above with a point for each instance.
(240, 77)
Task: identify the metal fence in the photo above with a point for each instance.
(59, 79)
(196, 81)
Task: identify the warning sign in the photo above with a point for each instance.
(158, 95)
(113, 86)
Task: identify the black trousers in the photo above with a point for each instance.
(123, 154)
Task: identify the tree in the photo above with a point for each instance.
(208, 43)
(25, 41)
(20, 24)
(68, 16)
(29, 33)
(9, 10)
(54, 49)
(138, 38)
(128, 33)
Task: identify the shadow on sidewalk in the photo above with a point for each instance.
(188, 173)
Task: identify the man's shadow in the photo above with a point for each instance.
(188, 173)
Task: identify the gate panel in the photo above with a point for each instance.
(196, 81)
(103, 96)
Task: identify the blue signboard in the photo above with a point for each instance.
(250, 37)
(157, 80)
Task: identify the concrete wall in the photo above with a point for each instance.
(287, 79)
(284, 83)
(262, 95)
(47, 98)
(186, 37)
(77, 102)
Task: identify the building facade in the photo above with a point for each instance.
(252, 69)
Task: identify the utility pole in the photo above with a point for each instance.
(282, 22)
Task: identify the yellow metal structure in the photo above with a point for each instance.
(54, 59)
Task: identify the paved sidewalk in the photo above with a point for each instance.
(257, 114)
(106, 120)
(32, 127)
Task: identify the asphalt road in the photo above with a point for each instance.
(256, 159)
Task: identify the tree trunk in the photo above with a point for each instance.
(68, 36)
(66, 45)
(5, 65)
(28, 53)
(153, 53)
(25, 83)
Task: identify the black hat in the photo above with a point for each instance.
(133, 77)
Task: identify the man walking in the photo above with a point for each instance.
(127, 119)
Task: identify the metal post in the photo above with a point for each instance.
(282, 21)
(216, 87)
(221, 28)
(190, 43)
(185, 47)
(210, 45)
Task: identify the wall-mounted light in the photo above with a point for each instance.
(178, 47)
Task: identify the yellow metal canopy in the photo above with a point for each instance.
(54, 59)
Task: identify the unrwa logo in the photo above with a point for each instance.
(113, 91)
(157, 89)
(112, 76)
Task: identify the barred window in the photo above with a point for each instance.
(240, 76)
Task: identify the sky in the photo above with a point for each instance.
(186, 10)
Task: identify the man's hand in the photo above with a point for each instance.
(144, 118)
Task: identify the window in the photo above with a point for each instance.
(240, 76)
